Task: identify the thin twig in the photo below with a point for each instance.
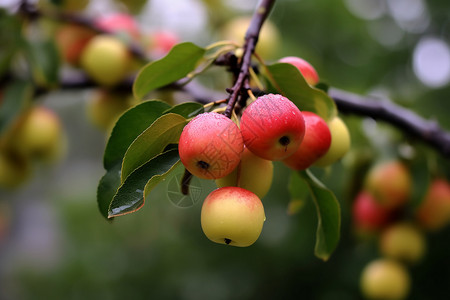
(251, 38)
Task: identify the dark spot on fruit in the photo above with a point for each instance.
(284, 141)
(203, 165)
(227, 241)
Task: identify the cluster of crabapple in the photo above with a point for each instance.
(106, 58)
(379, 211)
(36, 136)
(240, 159)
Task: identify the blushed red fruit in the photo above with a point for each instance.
(232, 216)
(71, 40)
(368, 214)
(161, 42)
(272, 127)
(118, 23)
(315, 144)
(390, 183)
(434, 211)
(210, 146)
(307, 70)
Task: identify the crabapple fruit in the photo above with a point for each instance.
(272, 127)
(390, 183)
(402, 241)
(39, 135)
(368, 214)
(268, 41)
(305, 68)
(232, 216)
(119, 23)
(104, 108)
(253, 173)
(340, 143)
(71, 40)
(385, 279)
(161, 42)
(315, 144)
(106, 59)
(434, 211)
(210, 146)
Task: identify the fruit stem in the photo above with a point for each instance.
(187, 177)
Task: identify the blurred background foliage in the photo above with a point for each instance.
(54, 243)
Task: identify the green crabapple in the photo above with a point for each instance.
(340, 143)
(403, 241)
(385, 279)
(106, 59)
(253, 173)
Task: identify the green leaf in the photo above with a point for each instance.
(288, 81)
(131, 195)
(132, 123)
(187, 109)
(107, 188)
(298, 191)
(421, 178)
(44, 61)
(15, 98)
(328, 215)
(180, 61)
(11, 39)
(164, 131)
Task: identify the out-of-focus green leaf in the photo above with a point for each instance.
(299, 191)
(164, 131)
(180, 61)
(13, 101)
(131, 195)
(187, 109)
(10, 37)
(328, 215)
(287, 80)
(44, 60)
(132, 123)
(421, 178)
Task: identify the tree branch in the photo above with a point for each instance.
(428, 131)
(251, 38)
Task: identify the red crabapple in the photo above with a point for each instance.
(272, 127)
(307, 70)
(210, 146)
(315, 144)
